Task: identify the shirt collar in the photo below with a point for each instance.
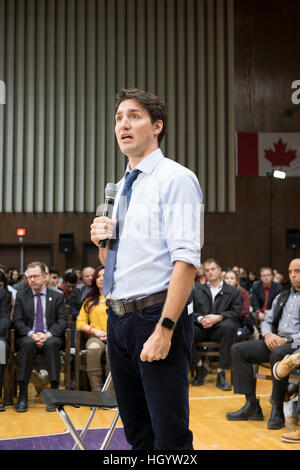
(294, 291)
(148, 163)
(218, 287)
(43, 291)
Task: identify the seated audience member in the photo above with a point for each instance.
(81, 290)
(13, 277)
(281, 370)
(78, 273)
(246, 321)
(278, 278)
(280, 331)
(21, 284)
(92, 319)
(263, 293)
(40, 322)
(217, 312)
(10, 291)
(53, 277)
(200, 276)
(252, 278)
(40, 378)
(5, 308)
(78, 294)
(68, 284)
(244, 279)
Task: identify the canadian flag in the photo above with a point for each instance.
(262, 152)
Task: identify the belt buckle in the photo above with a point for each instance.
(119, 308)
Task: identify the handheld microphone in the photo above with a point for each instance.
(106, 209)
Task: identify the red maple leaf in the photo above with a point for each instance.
(281, 157)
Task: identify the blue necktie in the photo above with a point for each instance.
(114, 243)
(39, 318)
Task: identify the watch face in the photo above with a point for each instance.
(167, 323)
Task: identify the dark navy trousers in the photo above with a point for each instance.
(152, 396)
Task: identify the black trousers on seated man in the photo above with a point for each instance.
(244, 355)
(223, 333)
(27, 355)
(152, 396)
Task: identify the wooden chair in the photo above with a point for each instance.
(6, 377)
(10, 389)
(80, 365)
(211, 349)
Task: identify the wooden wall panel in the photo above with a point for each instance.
(267, 61)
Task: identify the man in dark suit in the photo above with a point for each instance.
(264, 292)
(40, 321)
(217, 312)
(5, 307)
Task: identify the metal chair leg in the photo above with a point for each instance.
(110, 432)
(71, 428)
(87, 424)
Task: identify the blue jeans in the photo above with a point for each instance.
(152, 396)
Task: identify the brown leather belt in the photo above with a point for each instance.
(121, 308)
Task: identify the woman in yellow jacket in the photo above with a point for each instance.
(92, 319)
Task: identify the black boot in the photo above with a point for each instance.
(247, 412)
(22, 403)
(201, 372)
(276, 420)
(222, 382)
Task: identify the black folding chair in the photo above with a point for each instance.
(106, 399)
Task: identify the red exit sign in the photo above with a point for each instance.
(21, 232)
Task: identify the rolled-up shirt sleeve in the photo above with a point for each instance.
(183, 218)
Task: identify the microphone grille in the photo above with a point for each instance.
(111, 190)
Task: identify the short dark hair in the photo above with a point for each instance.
(156, 107)
(71, 277)
(53, 270)
(266, 268)
(212, 260)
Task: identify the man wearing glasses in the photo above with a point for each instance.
(40, 322)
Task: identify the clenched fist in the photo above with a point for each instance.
(102, 228)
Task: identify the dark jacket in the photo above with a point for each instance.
(282, 300)
(258, 295)
(228, 302)
(56, 316)
(76, 298)
(5, 307)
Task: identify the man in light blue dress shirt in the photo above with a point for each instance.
(150, 321)
(281, 335)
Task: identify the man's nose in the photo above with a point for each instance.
(125, 123)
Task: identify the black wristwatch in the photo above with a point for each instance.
(289, 339)
(167, 323)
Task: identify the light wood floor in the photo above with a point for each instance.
(208, 407)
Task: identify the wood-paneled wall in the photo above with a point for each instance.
(267, 61)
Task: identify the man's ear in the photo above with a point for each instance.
(157, 127)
